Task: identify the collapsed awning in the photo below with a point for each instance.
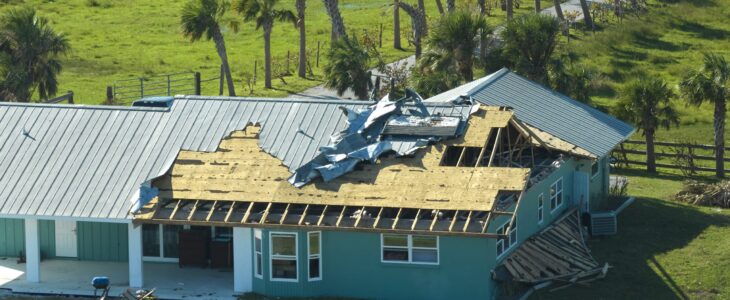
(556, 256)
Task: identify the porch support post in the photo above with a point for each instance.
(136, 273)
(32, 251)
(242, 260)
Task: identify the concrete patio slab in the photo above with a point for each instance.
(71, 277)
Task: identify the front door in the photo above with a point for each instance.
(580, 190)
(66, 239)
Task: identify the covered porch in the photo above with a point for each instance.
(73, 277)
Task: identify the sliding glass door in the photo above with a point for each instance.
(160, 242)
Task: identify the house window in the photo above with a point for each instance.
(595, 168)
(556, 195)
(508, 240)
(161, 242)
(314, 249)
(283, 256)
(421, 249)
(258, 256)
(540, 206)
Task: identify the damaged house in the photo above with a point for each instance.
(481, 192)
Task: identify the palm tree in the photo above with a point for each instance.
(264, 13)
(396, 24)
(203, 18)
(483, 41)
(422, 6)
(710, 84)
(418, 21)
(529, 41)
(586, 13)
(537, 6)
(440, 6)
(450, 5)
(453, 42)
(301, 6)
(30, 51)
(338, 26)
(347, 67)
(558, 10)
(510, 9)
(646, 102)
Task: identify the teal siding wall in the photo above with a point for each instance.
(47, 236)
(102, 241)
(599, 185)
(352, 267)
(12, 237)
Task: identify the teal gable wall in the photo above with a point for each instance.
(102, 241)
(12, 235)
(352, 267)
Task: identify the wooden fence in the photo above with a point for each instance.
(687, 157)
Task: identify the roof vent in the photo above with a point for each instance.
(165, 102)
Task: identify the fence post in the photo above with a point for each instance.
(197, 83)
(288, 58)
(141, 87)
(168, 85)
(255, 66)
(109, 95)
(380, 36)
(70, 97)
(220, 82)
(318, 54)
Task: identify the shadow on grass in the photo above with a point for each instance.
(700, 30)
(648, 228)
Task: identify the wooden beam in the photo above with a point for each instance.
(359, 216)
(342, 213)
(433, 222)
(484, 148)
(321, 217)
(468, 219)
(247, 214)
(286, 212)
(485, 227)
(397, 216)
(494, 149)
(453, 220)
(192, 211)
(461, 156)
(212, 210)
(174, 210)
(377, 219)
(265, 214)
(415, 220)
(304, 214)
(230, 211)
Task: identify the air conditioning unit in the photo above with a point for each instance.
(603, 223)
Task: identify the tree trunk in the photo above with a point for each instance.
(440, 6)
(510, 8)
(558, 10)
(396, 25)
(422, 7)
(267, 56)
(419, 24)
(338, 26)
(635, 4)
(450, 5)
(720, 111)
(617, 8)
(650, 157)
(301, 6)
(220, 46)
(483, 40)
(586, 13)
(537, 6)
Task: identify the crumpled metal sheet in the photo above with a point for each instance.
(363, 139)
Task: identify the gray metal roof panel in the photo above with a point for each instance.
(548, 110)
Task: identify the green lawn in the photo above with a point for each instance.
(666, 42)
(663, 250)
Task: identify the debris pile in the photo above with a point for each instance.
(706, 194)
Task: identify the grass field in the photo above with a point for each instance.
(123, 39)
(666, 43)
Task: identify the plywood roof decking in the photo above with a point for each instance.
(241, 171)
(556, 143)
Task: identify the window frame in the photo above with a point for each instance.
(161, 258)
(555, 197)
(409, 246)
(510, 243)
(311, 256)
(540, 208)
(257, 234)
(598, 168)
(283, 257)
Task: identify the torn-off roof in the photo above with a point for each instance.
(571, 121)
